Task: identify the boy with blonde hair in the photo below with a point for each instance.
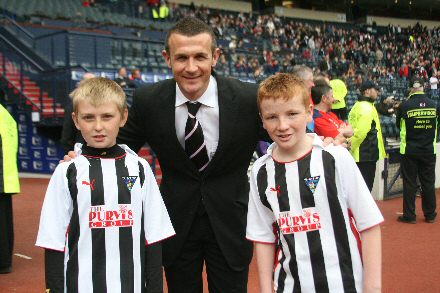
(309, 207)
(101, 208)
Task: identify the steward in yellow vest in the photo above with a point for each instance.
(367, 145)
(9, 184)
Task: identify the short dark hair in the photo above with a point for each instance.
(189, 27)
(320, 89)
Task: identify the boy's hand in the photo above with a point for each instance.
(67, 158)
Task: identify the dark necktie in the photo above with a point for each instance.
(194, 140)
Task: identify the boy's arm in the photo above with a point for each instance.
(153, 268)
(372, 259)
(54, 267)
(157, 227)
(265, 253)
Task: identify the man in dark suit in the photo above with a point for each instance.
(207, 204)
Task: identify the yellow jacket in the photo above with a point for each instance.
(9, 182)
(367, 142)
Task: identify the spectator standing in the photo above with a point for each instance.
(305, 73)
(9, 185)
(340, 91)
(418, 117)
(367, 145)
(164, 10)
(137, 78)
(122, 80)
(327, 123)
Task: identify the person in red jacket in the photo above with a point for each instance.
(326, 122)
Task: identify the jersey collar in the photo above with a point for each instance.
(105, 153)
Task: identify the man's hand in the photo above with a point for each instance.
(326, 140)
(70, 155)
(338, 140)
(347, 131)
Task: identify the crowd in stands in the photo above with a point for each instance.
(260, 45)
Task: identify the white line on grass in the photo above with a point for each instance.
(22, 256)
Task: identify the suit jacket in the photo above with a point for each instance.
(223, 186)
(70, 134)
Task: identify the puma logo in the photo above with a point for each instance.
(277, 189)
(91, 184)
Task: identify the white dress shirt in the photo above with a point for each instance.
(207, 115)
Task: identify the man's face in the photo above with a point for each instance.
(123, 72)
(329, 99)
(373, 93)
(136, 74)
(308, 80)
(191, 60)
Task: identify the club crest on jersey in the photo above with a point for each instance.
(312, 183)
(306, 221)
(129, 181)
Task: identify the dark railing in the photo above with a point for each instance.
(60, 48)
(21, 72)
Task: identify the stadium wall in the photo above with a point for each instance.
(224, 4)
(279, 10)
(385, 21)
(310, 14)
(307, 14)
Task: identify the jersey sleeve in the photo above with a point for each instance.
(260, 219)
(157, 223)
(56, 212)
(355, 191)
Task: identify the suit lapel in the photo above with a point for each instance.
(228, 109)
(168, 104)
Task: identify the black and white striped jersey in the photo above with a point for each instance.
(315, 205)
(101, 209)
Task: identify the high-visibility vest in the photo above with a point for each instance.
(339, 93)
(164, 11)
(155, 13)
(9, 182)
(367, 142)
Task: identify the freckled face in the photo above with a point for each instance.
(286, 121)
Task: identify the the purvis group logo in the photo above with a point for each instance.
(103, 217)
(308, 220)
